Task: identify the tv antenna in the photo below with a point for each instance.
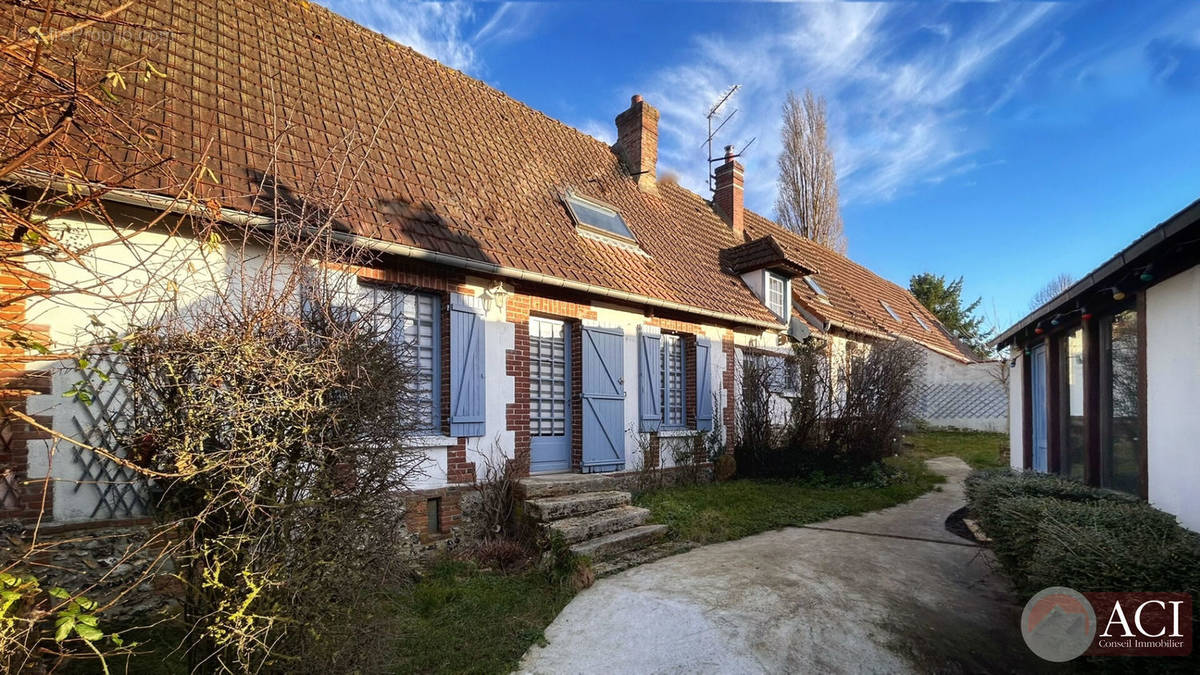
(713, 113)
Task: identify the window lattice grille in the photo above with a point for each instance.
(120, 492)
(547, 378)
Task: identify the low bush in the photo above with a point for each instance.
(1102, 546)
(985, 489)
(1047, 531)
(843, 418)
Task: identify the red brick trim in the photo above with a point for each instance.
(29, 498)
(416, 516)
(729, 381)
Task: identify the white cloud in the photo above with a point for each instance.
(898, 86)
(510, 22)
(433, 28)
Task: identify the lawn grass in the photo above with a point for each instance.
(464, 620)
(980, 449)
(717, 512)
(456, 619)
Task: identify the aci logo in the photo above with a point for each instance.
(1060, 624)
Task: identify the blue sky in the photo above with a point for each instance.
(1005, 143)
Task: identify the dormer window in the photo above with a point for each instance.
(777, 295)
(593, 215)
(891, 311)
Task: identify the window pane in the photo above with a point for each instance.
(671, 362)
(776, 289)
(596, 216)
(1071, 403)
(547, 378)
(1121, 424)
(410, 319)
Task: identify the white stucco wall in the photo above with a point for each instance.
(178, 270)
(181, 272)
(1016, 402)
(964, 395)
(1173, 390)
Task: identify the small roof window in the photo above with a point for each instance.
(588, 213)
(920, 321)
(891, 311)
(812, 283)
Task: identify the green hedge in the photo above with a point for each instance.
(1047, 531)
(985, 489)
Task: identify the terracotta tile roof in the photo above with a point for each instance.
(454, 166)
(764, 252)
(457, 167)
(853, 293)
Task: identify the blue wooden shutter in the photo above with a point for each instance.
(649, 382)
(603, 399)
(466, 371)
(704, 401)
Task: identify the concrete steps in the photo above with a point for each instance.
(561, 484)
(614, 544)
(556, 508)
(594, 518)
(640, 556)
(581, 528)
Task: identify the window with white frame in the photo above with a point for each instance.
(671, 357)
(777, 295)
(411, 319)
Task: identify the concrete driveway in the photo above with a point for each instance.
(888, 592)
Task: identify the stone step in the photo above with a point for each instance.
(560, 484)
(579, 528)
(641, 556)
(566, 506)
(612, 545)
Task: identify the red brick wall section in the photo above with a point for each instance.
(729, 381)
(20, 498)
(416, 515)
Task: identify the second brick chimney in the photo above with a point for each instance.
(728, 195)
(637, 142)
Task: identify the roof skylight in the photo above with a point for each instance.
(891, 311)
(812, 283)
(588, 213)
(920, 321)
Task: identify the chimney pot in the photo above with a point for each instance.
(727, 198)
(637, 142)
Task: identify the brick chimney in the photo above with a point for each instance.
(728, 196)
(637, 142)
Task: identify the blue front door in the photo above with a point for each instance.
(1037, 380)
(603, 399)
(549, 394)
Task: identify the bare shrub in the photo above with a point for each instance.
(274, 416)
(506, 555)
(495, 490)
(648, 471)
(844, 416)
